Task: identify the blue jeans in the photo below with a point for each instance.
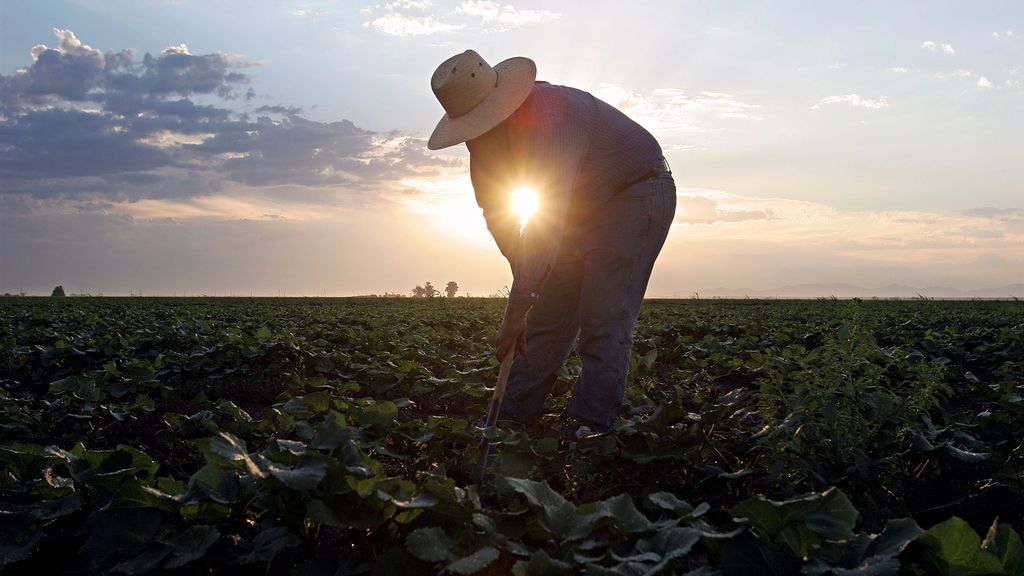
(593, 293)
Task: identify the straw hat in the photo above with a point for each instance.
(477, 97)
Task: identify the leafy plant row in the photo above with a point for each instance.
(333, 437)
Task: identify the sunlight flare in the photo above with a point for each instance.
(524, 202)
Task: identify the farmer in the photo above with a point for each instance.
(606, 201)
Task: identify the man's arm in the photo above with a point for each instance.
(491, 173)
(554, 141)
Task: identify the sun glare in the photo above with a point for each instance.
(524, 203)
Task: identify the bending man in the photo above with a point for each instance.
(606, 201)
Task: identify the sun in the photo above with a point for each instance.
(524, 202)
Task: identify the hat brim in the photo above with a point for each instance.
(515, 81)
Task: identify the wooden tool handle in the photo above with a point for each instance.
(499, 389)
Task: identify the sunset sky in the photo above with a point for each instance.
(241, 147)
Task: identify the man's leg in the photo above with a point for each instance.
(619, 253)
(551, 329)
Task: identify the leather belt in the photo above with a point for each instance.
(659, 168)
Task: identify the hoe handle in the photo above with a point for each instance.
(492, 410)
(499, 391)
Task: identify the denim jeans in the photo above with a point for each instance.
(593, 294)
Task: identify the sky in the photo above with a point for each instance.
(241, 147)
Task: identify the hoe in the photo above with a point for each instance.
(492, 411)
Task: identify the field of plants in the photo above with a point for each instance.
(334, 437)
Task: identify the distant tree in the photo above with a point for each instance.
(419, 292)
(429, 290)
(451, 289)
(58, 292)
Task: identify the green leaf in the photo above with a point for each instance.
(377, 414)
(829, 514)
(319, 512)
(668, 501)
(540, 564)
(798, 539)
(268, 543)
(19, 537)
(219, 484)
(771, 516)
(835, 517)
(119, 531)
(135, 494)
(558, 516)
(745, 555)
(430, 544)
(954, 549)
(229, 446)
(1003, 542)
(317, 401)
(622, 513)
(50, 509)
(475, 562)
(894, 538)
(191, 545)
(144, 563)
(306, 475)
(966, 455)
(668, 545)
(332, 433)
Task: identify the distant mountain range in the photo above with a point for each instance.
(853, 291)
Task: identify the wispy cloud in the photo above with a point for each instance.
(933, 46)
(479, 15)
(398, 24)
(882, 234)
(958, 73)
(671, 109)
(503, 17)
(700, 209)
(985, 83)
(855, 100)
(1005, 34)
(898, 70)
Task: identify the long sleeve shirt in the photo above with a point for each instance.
(575, 151)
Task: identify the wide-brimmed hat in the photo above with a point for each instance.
(477, 97)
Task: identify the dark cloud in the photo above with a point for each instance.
(703, 210)
(79, 122)
(997, 213)
(1010, 218)
(278, 109)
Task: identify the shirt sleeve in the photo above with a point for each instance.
(553, 141)
(490, 187)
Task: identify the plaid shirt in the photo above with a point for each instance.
(575, 151)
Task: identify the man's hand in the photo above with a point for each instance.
(512, 334)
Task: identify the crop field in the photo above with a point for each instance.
(323, 436)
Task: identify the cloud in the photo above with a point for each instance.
(985, 83)
(79, 123)
(932, 46)
(855, 100)
(875, 234)
(704, 210)
(397, 24)
(76, 72)
(1012, 218)
(478, 15)
(675, 109)
(503, 17)
(898, 70)
(958, 73)
(1006, 34)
